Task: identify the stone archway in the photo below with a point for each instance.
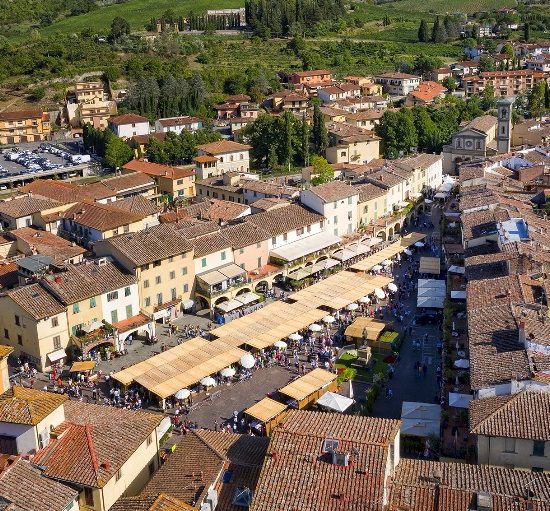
(322, 258)
(390, 232)
(243, 291)
(201, 302)
(262, 286)
(397, 228)
(309, 263)
(221, 299)
(381, 234)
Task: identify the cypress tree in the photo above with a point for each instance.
(423, 32)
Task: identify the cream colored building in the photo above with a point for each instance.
(370, 205)
(90, 104)
(5, 352)
(161, 260)
(176, 182)
(105, 469)
(513, 430)
(35, 324)
(348, 144)
(94, 292)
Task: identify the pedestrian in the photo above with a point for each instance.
(425, 370)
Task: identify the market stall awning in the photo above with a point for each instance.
(212, 277)
(221, 274)
(266, 409)
(459, 400)
(431, 293)
(458, 295)
(306, 385)
(56, 355)
(228, 305)
(301, 274)
(343, 254)
(85, 365)
(335, 402)
(430, 265)
(441, 195)
(373, 329)
(246, 298)
(457, 269)
(420, 419)
(232, 271)
(305, 246)
(389, 252)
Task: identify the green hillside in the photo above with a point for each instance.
(137, 12)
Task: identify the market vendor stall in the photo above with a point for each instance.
(266, 414)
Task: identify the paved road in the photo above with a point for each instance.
(407, 384)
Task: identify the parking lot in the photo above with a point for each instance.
(29, 161)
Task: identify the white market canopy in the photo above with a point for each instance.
(306, 246)
(459, 400)
(335, 402)
(420, 419)
(431, 293)
(457, 269)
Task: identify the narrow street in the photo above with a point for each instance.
(407, 384)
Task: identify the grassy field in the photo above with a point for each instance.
(137, 12)
(347, 359)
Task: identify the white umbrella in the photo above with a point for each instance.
(315, 327)
(392, 287)
(328, 319)
(183, 394)
(386, 262)
(364, 299)
(248, 361)
(228, 372)
(419, 244)
(295, 337)
(379, 293)
(280, 344)
(408, 252)
(376, 267)
(208, 381)
(352, 307)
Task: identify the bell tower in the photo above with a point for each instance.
(504, 128)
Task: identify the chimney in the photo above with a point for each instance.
(521, 330)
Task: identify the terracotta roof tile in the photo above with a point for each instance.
(102, 217)
(283, 220)
(215, 210)
(137, 204)
(27, 489)
(57, 190)
(428, 91)
(162, 502)
(155, 169)
(191, 229)
(36, 301)
(84, 451)
(244, 235)
(210, 243)
(222, 147)
(46, 243)
(333, 191)
(297, 475)
(25, 206)
(521, 415)
(126, 182)
(79, 282)
(199, 461)
(127, 119)
(420, 485)
(8, 275)
(20, 405)
(153, 244)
